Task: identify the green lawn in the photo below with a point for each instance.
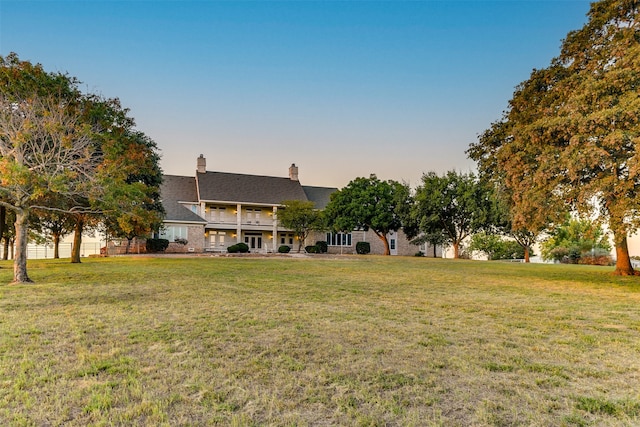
(350, 341)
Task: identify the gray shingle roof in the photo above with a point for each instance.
(240, 188)
(176, 189)
(320, 196)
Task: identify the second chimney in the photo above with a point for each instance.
(202, 164)
(293, 172)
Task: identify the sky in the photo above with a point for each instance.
(342, 89)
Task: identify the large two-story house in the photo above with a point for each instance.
(213, 210)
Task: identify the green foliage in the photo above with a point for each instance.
(322, 246)
(181, 241)
(72, 152)
(284, 249)
(573, 240)
(312, 249)
(452, 207)
(157, 245)
(363, 248)
(569, 137)
(368, 203)
(496, 247)
(300, 217)
(238, 247)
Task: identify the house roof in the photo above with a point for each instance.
(240, 188)
(320, 196)
(176, 189)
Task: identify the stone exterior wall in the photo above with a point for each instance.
(196, 241)
(403, 246)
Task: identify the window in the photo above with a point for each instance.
(339, 239)
(286, 239)
(173, 232)
(217, 214)
(216, 238)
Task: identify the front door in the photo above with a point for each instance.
(393, 242)
(254, 241)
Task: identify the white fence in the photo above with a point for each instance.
(46, 251)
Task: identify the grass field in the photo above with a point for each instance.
(350, 341)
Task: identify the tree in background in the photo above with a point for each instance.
(131, 175)
(496, 247)
(52, 225)
(575, 239)
(300, 217)
(569, 138)
(453, 205)
(368, 203)
(9, 235)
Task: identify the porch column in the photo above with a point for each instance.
(275, 229)
(239, 223)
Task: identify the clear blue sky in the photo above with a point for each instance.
(341, 88)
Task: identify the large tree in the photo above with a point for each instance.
(570, 138)
(57, 143)
(368, 203)
(453, 205)
(45, 147)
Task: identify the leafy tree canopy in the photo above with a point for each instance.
(300, 217)
(453, 205)
(58, 144)
(368, 204)
(577, 237)
(571, 135)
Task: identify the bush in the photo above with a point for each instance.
(284, 249)
(238, 247)
(363, 248)
(181, 241)
(419, 253)
(312, 249)
(323, 246)
(157, 245)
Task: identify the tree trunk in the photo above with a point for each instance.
(5, 254)
(77, 241)
(623, 262)
(456, 250)
(3, 220)
(56, 246)
(435, 254)
(126, 250)
(20, 262)
(526, 253)
(385, 242)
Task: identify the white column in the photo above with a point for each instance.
(275, 229)
(239, 223)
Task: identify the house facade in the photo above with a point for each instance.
(214, 210)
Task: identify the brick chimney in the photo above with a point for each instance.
(202, 164)
(293, 172)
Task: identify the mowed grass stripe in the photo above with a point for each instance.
(348, 341)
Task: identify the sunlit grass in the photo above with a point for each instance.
(349, 341)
